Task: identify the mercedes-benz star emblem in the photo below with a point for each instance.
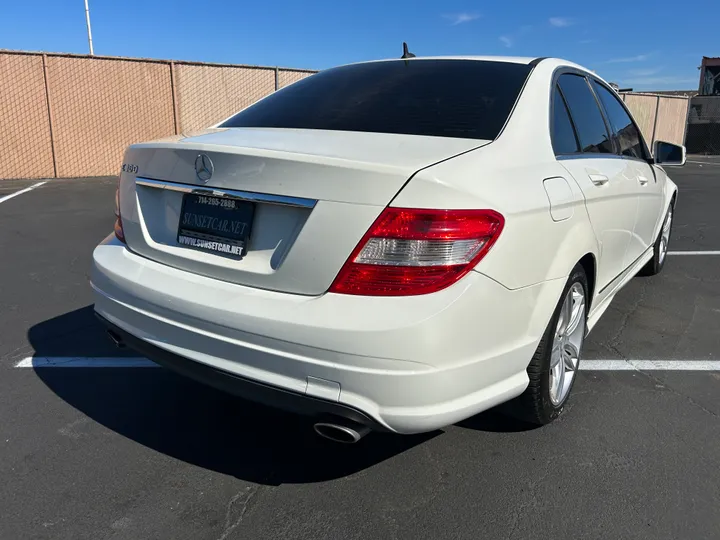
(203, 168)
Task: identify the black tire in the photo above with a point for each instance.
(534, 405)
(655, 265)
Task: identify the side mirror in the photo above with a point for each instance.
(666, 153)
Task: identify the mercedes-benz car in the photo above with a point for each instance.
(393, 245)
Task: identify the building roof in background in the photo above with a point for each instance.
(684, 93)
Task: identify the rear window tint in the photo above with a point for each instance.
(586, 115)
(445, 98)
(628, 135)
(563, 134)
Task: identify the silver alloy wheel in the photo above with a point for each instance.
(665, 236)
(567, 343)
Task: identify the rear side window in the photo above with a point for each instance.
(628, 135)
(563, 133)
(586, 115)
(445, 98)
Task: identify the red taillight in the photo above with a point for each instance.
(119, 233)
(414, 251)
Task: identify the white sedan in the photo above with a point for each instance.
(394, 245)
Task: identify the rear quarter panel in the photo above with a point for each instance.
(532, 247)
(507, 176)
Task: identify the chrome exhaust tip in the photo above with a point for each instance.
(342, 433)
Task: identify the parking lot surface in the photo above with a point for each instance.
(140, 453)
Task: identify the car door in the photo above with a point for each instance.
(648, 187)
(606, 180)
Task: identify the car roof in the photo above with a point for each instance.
(509, 59)
(547, 62)
(526, 60)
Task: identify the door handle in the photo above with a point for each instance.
(598, 179)
(642, 180)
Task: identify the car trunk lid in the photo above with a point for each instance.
(308, 197)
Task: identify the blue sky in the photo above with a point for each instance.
(642, 44)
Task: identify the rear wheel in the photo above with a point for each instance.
(555, 362)
(660, 248)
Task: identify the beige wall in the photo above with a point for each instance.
(670, 112)
(97, 106)
(208, 94)
(102, 106)
(25, 144)
(672, 120)
(288, 77)
(643, 109)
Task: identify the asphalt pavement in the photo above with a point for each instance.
(138, 453)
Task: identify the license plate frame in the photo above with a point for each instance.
(217, 225)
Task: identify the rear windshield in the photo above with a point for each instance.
(445, 98)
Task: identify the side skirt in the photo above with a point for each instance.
(615, 286)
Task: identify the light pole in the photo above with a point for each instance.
(87, 21)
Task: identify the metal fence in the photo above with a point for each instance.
(64, 115)
(660, 118)
(703, 130)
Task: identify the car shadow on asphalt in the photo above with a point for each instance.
(203, 426)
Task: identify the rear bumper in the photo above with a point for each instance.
(403, 364)
(272, 396)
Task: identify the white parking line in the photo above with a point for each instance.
(84, 362)
(8, 197)
(693, 252)
(704, 162)
(585, 365)
(649, 365)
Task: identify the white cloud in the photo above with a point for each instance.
(561, 22)
(460, 18)
(628, 59)
(509, 39)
